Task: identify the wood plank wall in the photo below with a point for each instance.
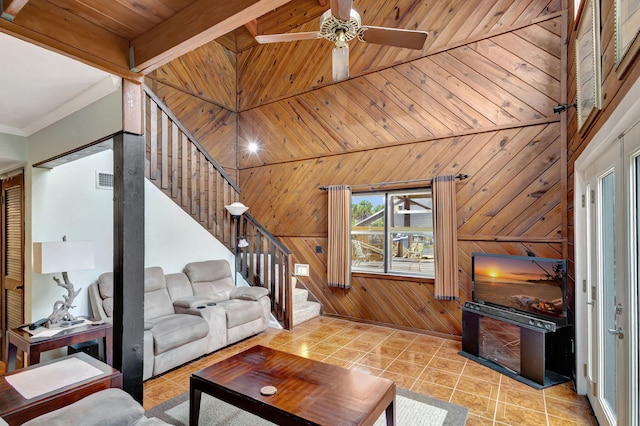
(614, 87)
(482, 107)
(213, 126)
(208, 72)
(478, 100)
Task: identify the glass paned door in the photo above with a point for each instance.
(607, 278)
(612, 361)
(606, 296)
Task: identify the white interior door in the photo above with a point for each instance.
(611, 285)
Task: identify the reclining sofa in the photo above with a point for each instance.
(189, 314)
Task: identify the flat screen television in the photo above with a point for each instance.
(532, 285)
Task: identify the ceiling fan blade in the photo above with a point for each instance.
(409, 39)
(276, 38)
(341, 9)
(340, 63)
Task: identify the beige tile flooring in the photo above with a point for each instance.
(420, 363)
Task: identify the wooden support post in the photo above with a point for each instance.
(128, 260)
(132, 107)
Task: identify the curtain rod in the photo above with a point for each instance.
(460, 176)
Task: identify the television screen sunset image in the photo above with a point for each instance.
(525, 283)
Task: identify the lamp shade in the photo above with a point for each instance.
(236, 209)
(63, 256)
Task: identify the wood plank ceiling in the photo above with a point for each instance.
(126, 37)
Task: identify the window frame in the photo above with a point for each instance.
(386, 267)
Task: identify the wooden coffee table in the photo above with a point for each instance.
(15, 409)
(308, 392)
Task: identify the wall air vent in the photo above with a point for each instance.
(104, 180)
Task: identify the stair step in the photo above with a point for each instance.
(300, 295)
(305, 311)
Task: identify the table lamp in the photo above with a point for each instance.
(63, 256)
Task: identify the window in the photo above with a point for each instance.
(392, 232)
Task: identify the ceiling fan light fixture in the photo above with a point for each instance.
(330, 26)
(340, 63)
(341, 39)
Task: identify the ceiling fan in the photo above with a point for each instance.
(341, 24)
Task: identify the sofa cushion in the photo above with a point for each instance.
(178, 286)
(241, 311)
(211, 278)
(157, 302)
(175, 330)
(108, 407)
(105, 285)
(249, 293)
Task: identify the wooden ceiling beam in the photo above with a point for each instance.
(252, 27)
(12, 8)
(56, 29)
(193, 26)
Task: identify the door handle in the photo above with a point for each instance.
(616, 332)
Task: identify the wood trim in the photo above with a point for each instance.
(100, 145)
(564, 135)
(518, 125)
(252, 27)
(392, 277)
(193, 26)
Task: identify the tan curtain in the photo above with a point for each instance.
(446, 236)
(339, 245)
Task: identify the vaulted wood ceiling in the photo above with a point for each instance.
(129, 37)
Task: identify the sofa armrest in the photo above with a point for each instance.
(249, 293)
(192, 302)
(216, 318)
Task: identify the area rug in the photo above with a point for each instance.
(412, 409)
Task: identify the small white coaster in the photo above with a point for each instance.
(268, 390)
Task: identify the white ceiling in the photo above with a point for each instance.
(39, 87)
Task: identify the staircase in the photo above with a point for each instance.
(303, 308)
(178, 165)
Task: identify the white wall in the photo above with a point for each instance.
(66, 202)
(13, 152)
(101, 118)
(173, 238)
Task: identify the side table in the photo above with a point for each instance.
(15, 409)
(33, 346)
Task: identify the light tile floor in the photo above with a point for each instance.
(420, 363)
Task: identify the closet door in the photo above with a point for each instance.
(12, 295)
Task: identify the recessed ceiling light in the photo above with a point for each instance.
(253, 147)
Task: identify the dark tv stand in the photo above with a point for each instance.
(546, 347)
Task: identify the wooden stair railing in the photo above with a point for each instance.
(181, 168)
(267, 262)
